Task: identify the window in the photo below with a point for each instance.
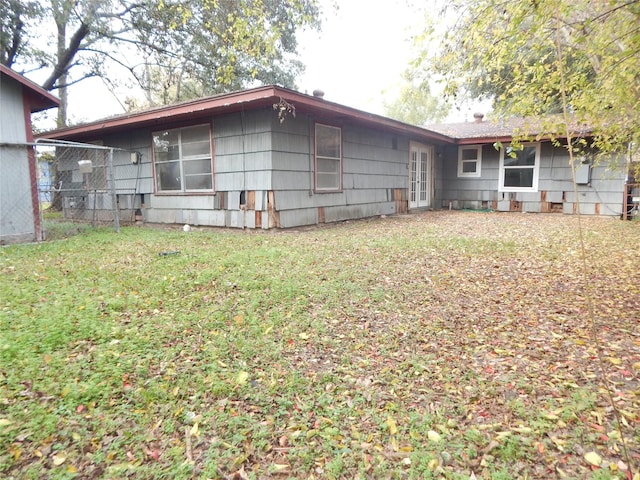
(469, 161)
(519, 168)
(182, 158)
(328, 158)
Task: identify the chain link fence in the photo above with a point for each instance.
(53, 189)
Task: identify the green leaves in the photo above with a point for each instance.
(546, 57)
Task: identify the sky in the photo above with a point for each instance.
(357, 59)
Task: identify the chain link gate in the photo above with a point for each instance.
(54, 189)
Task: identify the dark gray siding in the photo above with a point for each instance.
(601, 196)
(374, 166)
(264, 175)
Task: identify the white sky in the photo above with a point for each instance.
(361, 53)
(357, 59)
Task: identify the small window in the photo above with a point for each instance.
(519, 168)
(469, 161)
(328, 172)
(182, 159)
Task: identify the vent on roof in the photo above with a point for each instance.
(318, 93)
(477, 117)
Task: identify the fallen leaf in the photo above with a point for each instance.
(280, 467)
(433, 436)
(593, 458)
(59, 459)
(242, 378)
(391, 425)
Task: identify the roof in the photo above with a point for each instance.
(39, 98)
(256, 98)
(503, 130)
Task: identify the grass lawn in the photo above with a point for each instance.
(438, 345)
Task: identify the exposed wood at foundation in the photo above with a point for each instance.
(251, 200)
(321, 217)
(274, 215)
(400, 199)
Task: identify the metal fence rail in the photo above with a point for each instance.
(51, 189)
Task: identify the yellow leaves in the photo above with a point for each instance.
(593, 458)
(433, 436)
(391, 425)
(242, 378)
(614, 360)
(58, 459)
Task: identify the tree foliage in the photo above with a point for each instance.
(415, 104)
(535, 57)
(173, 50)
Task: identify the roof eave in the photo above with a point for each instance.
(39, 98)
(257, 98)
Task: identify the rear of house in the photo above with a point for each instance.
(482, 171)
(270, 157)
(263, 158)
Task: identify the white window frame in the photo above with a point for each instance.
(535, 168)
(477, 161)
(338, 159)
(180, 161)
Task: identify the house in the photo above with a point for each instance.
(482, 171)
(19, 204)
(261, 158)
(273, 157)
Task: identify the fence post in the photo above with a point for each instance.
(114, 197)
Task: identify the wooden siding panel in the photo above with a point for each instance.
(292, 199)
(181, 201)
(367, 196)
(230, 181)
(361, 181)
(289, 180)
(292, 162)
(259, 180)
(371, 167)
(248, 161)
(291, 143)
(298, 217)
(349, 212)
(256, 142)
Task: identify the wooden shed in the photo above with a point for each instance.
(19, 203)
(263, 158)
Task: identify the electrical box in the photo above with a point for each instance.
(85, 166)
(583, 174)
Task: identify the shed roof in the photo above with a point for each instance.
(39, 98)
(503, 130)
(251, 99)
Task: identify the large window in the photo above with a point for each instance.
(519, 168)
(182, 159)
(469, 161)
(328, 158)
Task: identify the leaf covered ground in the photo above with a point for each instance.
(437, 345)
